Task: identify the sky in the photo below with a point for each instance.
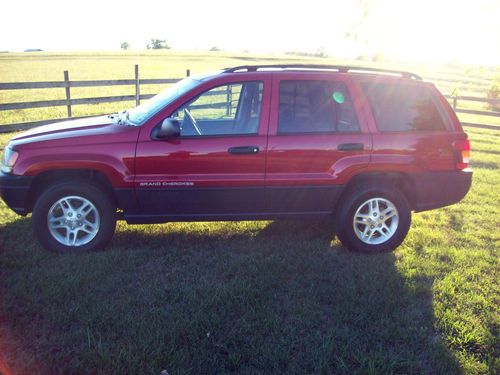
(425, 30)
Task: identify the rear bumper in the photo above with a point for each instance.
(439, 189)
(14, 192)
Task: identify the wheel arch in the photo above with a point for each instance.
(47, 178)
(400, 181)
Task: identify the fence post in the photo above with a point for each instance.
(137, 86)
(68, 93)
(188, 72)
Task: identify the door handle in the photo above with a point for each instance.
(243, 150)
(350, 147)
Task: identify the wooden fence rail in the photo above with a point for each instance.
(104, 82)
(455, 100)
(69, 102)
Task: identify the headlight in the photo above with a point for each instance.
(9, 159)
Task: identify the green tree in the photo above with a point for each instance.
(321, 52)
(125, 46)
(362, 30)
(158, 44)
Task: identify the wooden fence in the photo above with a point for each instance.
(67, 84)
(70, 102)
(453, 99)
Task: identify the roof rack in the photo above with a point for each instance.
(338, 68)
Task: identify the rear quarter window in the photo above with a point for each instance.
(403, 108)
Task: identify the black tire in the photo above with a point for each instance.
(355, 199)
(104, 211)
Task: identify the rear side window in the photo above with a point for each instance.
(315, 107)
(400, 108)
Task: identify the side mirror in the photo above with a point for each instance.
(169, 128)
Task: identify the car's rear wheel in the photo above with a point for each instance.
(73, 216)
(373, 219)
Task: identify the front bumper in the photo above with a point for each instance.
(14, 192)
(439, 189)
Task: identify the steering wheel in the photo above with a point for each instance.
(191, 121)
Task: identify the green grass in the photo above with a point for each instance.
(261, 297)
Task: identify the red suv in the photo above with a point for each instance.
(362, 146)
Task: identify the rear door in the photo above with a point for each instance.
(317, 140)
(216, 167)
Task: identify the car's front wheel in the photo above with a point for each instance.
(73, 216)
(373, 219)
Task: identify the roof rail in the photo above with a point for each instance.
(338, 68)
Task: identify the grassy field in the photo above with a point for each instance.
(251, 297)
(14, 67)
(261, 297)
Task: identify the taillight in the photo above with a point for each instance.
(462, 149)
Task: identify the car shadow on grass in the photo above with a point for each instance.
(268, 297)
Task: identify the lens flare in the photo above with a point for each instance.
(338, 97)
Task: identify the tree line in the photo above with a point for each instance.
(153, 44)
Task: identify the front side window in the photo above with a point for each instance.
(315, 107)
(224, 110)
(403, 108)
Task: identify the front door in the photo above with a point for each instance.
(216, 167)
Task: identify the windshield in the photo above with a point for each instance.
(143, 112)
